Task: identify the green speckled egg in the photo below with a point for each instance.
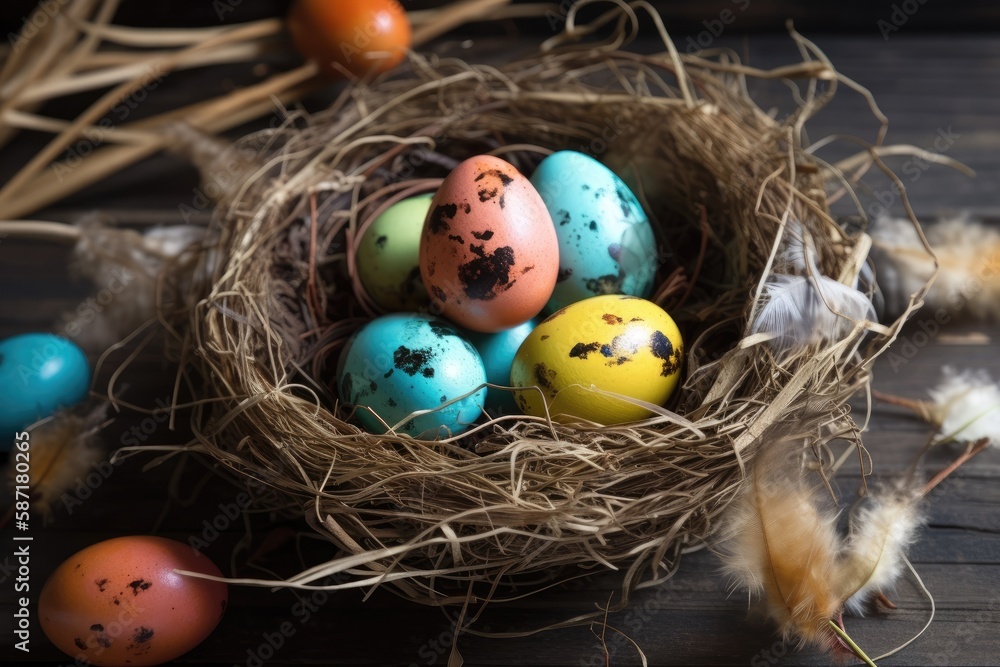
(388, 256)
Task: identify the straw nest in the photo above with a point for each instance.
(725, 184)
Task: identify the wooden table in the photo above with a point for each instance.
(929, 87)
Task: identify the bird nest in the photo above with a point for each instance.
(737, 200)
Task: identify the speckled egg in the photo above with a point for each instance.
(498, 350)
(398, 364)
(388, 256)
(618, 344)
(488, 253)
(606, 244)
(119, 602)
(39, 373)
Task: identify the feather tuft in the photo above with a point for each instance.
(63, 450)
(967, 406)
(880, 533)
(969, 256)
(776, 542)
(800, 310)
(134, 272)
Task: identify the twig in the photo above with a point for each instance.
(108, 100)
(40, 229)
(970, 451)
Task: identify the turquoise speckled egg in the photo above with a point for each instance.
(606, 244)
(388, 256)
(398, 364)
(39, 373)
(498, 350)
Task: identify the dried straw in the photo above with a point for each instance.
(721, 179)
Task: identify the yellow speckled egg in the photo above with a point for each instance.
(489, 255)
(615, 343)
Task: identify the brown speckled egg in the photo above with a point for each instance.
(489, 255)
(119, 602)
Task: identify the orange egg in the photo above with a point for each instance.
(489, 255)
(362, 36)
(119, 602)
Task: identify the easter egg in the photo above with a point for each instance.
(606, 244)
(39, 373)
(618, 344)
(119, 602)
(498, 350)
(388, 256)
(488, 253)
(362, 36)
(398, 364)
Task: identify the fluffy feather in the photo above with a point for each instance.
(63, 450)
(778, 544)
(872, 559)
(800, 310)
(131, 271)
(967, 405)
(969, 257)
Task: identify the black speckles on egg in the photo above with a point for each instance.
(483, 236)
(142, 635)
(609, 318)
(627, 201)
(388, 373)
(373, 386)
(545, 337)
(437, 222)
(80, 644)
(381, 241)
(440, 329)
(140, 643)
(663, 349)
(564, 275)
(444, 399)
(427, 372)
(391, 402)
(439, 294)
(607, 284)
(592, 226)
(562, 217)
(486, 276)
(410, 361)
(97, 627)
(456, 238)
(527, 269)
(581, 350)
(139, 585)
(101, 583)
(544, 376)
(489, 192)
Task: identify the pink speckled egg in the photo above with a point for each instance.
(119, 602)
(489, 255)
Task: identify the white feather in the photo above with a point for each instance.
(800, 310)
(872, 560)
(967, 405)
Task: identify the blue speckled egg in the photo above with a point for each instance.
(39, 373)
(401, 363)
(606, 244)
(498, 350)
